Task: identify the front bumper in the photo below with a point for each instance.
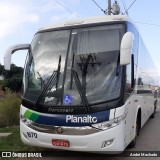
(87, 143)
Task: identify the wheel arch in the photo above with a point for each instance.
(139, 116)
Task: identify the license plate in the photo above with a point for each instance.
(60, 142)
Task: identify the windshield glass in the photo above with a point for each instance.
(46, 58)
(80, 71)
(94, 54)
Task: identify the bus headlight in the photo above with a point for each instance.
(110, 124)
(25, 120)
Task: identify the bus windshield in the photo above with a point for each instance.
(74, 67)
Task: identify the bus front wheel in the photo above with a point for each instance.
(133, 142)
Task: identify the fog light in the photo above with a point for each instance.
(107, 143)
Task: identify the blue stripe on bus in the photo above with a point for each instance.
(60, 120)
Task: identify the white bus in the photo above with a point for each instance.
(89, 85)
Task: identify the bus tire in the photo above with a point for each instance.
(133, 142)
(153, 114)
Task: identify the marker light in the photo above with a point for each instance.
(110, 124)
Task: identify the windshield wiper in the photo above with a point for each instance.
(58, 71)
(53, 79)
(80, 90)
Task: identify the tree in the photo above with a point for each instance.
(13, 78)
(1, 69)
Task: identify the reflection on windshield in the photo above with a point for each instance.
(94, 53)
(48, 90)
(48, 51)
(86, 74)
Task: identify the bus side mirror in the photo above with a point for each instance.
(10, 51)
(126, 48)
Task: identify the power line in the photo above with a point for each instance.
(146, 23)
(66, 8)
(151, 24)
(99, 7)
(124, 6)
(124, 2)
(130, 6)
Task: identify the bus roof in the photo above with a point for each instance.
(85, 21)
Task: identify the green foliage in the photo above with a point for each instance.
(13, 78)
(14, 142)
(1, 69)
(9, 109)
(1, 82)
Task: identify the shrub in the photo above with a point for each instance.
(13, 78)
(9, 109)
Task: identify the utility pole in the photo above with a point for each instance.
(109, 7)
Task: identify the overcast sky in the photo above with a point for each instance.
(20, 19)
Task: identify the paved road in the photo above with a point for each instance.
(148, 140)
